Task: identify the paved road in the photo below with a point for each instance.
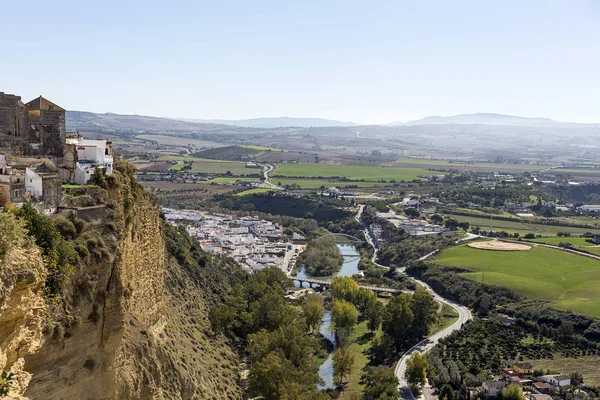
(268, 169)
(426, 344)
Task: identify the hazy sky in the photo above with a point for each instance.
(364, 61)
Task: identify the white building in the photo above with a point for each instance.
(556, 380)
(91, 155)
(589, 208)
(33, 183)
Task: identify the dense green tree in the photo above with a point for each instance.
(416, 370)
(380, 383)
(451, 223)
(374, 314)
(321, 257)
(343, 361)
(397, 320)
(312, 309)
(424, 310)
(412, 212)
(446, 392)
(344, 288)
(513, 392)
(344, 316)
(436, 219)
(381, 349)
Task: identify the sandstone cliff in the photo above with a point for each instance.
(131, 320)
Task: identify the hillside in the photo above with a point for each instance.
(494, 119)
(121, 312)
(276, 122)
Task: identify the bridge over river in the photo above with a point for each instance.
(326, 283)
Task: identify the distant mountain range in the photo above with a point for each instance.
(493, 119)
(110, 122)
(277, 122)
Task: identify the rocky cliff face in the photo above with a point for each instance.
(131, 321)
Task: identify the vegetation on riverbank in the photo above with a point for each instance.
(321, 257)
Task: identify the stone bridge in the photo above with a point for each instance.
(326, 283)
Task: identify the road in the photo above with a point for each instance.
(268, 169)
(427, 344)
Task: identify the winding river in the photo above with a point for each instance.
(349, 268)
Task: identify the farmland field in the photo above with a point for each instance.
(588, 366)
(521, 227)
(353, 172)
(317, 183)
(207, 166)
(497, 167)
(569, 281)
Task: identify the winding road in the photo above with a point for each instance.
(427, 344)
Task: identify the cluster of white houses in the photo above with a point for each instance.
(253, 242)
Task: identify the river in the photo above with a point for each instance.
(349, 268)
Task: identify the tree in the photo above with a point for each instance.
(565, 330)
(529, 236)
(464, 226)
(436, 219)
(381, 348)
(412, 212)
(313, 311)
(344, 316)
(374, 314)
(344, 288)
(343, 361)
(416, 370)
(424, 310)
(267, 375)
(380, 383)
(512, 392)
(446, 392)
(397, 320)
(451, 224)
(485, 304)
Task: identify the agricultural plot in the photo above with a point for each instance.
(521, 227)
(352, 172)
(569, 281)
(206, 166)
(317, 183)
(480, 167)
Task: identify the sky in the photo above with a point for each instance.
(361, 61)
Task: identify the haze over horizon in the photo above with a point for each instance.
(347, 61)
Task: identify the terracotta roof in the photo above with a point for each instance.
(540, 385)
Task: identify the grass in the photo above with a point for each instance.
(71, 186)
(577, 242)
(446, 318)
(359, 348)
(253, 191)
(317, 183)
(588, 366)
(569, 281)
(521, 227)
(353, 172)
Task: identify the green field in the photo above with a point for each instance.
(253, 191)
(465, 165)
(569, 281)
(577, 242)
(317, 183)
(521, 227)
(207, 166)
(353, 172)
